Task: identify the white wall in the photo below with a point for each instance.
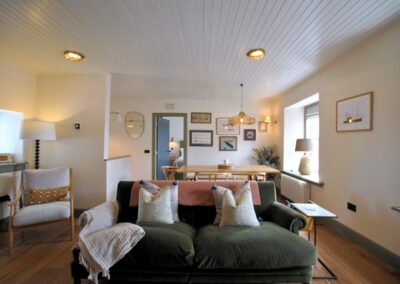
(121, 144)
(76, 99)
(117, 169)
(18, 94)
(360, 167)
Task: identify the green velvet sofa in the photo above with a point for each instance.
(195, 251)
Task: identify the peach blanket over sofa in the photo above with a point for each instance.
(193, 193)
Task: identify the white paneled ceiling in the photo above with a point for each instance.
(188, 49)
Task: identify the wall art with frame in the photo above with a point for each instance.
(228, 143)
(203, 138)
(200, 117)
(249, 135)
(354, 113)
(225, 128)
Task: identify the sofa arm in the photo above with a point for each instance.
(98, 218)
(284, 216)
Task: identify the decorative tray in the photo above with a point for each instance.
(225, 167)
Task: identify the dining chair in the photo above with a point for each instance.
(169, 172)
(45, 196)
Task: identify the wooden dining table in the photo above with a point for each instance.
(243, 170)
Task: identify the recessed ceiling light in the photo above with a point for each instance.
(256, 54)
(73, 56)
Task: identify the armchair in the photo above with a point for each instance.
(42, 212)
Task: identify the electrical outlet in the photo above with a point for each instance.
(77, 126)
(147, 151)
(352, 207)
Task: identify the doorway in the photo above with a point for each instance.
(169, 141)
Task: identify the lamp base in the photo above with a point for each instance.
(305, 165)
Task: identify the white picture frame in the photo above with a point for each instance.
(223, 127)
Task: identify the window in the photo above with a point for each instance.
(301, 120)
(311, 131)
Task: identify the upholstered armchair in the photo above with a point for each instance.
(45, 196)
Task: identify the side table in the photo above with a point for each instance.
(315, 211)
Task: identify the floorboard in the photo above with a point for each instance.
(43, 255)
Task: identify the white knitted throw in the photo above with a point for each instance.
(101, 242)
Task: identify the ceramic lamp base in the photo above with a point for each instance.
(305, 165)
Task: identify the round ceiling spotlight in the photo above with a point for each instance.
(73, 56)
(256, 54)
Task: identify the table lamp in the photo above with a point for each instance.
(304, 145)
(38, 130)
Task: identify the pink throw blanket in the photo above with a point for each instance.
(192, 193)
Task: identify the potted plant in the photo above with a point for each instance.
(267, 156)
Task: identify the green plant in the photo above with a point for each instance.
(266, 156)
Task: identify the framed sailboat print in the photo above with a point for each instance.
(354, 113)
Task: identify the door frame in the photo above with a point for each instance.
(154, 137)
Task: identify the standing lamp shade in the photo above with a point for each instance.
(241, 118)
(38, 130)
(304, 145)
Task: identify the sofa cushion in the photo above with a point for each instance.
(155, 208)
(266, 247)
(164, 245)
(238, 211)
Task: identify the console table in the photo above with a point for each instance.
(315, 211)
(4, 190)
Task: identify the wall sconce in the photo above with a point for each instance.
(263, 125)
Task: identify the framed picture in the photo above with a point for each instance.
(202, 138)
(262, 126)
(354, 113)
(225, 128)
(228, 143)
(249, 135)
(200, 117)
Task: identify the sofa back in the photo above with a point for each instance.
(195, 215)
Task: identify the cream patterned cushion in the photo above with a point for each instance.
(173, 188)
(218, 194)
(238, 211)
(155, 208)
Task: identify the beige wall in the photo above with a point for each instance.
(76, 99)
(121, 144)
(17, 89)
(360, 167)
(18, 93)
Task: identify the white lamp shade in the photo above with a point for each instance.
(38, 130)
(304, 145)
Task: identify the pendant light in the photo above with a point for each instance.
(241, 118)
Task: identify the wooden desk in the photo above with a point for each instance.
(248, 170)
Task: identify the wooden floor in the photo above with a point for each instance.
(43, 255)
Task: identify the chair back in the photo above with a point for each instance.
(169, 172)
(45, 179)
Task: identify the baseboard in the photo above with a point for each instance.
(379, 251)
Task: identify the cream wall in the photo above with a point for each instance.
(18, 93)
(121, 144)
(76, 99)
(17, 89)
(360, 167)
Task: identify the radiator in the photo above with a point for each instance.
(294, 189)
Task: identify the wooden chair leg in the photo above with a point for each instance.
(72, 227)
(10, 240)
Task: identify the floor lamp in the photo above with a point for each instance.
(38, 130)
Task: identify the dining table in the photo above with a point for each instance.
(251, 171)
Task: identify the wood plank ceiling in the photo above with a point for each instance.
(188, 48)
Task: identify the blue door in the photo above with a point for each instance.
(162, 145)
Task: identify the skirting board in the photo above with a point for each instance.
(382, 253)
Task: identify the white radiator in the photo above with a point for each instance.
(294, 189)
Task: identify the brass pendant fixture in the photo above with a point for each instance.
(241, 118)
